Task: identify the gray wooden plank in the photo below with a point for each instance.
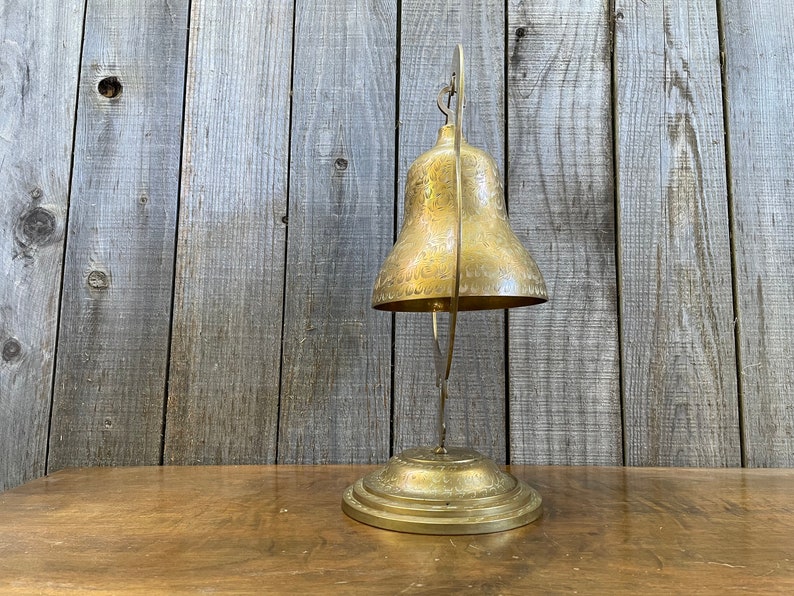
(476, 409)
(679, 378)
(335, 397)
(563, 358)
(39, 65)
(115, 316)
(223, 384)
(759, 48)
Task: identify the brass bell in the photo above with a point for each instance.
(496, 271)
(455, 251)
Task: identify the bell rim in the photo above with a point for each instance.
(465, 303)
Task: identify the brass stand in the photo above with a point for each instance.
(457, 492)
(440, 490)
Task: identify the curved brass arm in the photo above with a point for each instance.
(455, 89)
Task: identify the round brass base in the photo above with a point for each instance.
(458, 492)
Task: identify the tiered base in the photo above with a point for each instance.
(459, 492)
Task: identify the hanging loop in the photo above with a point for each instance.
(443, 100)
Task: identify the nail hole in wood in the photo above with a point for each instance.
(110, 87)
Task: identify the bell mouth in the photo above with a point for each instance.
(464, 303)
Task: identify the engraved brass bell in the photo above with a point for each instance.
(455, 251)
(496, 271)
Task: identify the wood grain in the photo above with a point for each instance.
(550, 374)
(335, 396)
(563, 358)
(280, 529)
(223, 389)
(39, 66)
(115, 317)
(679, 377)
(476, 410)
(759, 48)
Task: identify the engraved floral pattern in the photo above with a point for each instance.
(444, 478)
(419, 273)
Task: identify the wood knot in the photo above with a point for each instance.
(36, 226)
(340, 163)
(521, 32)
(11, 350)
(98, 280)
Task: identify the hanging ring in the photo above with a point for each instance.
(443, 104)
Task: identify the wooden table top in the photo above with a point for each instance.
(269, 529)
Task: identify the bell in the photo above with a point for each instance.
(455, 251)
(496, 271)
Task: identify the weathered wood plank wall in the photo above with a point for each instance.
(231, 235)
(193, 286)
(564, 369)
(341, 169)
(39, 58)
(107, 405)
(759, 57)
(679, 372)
